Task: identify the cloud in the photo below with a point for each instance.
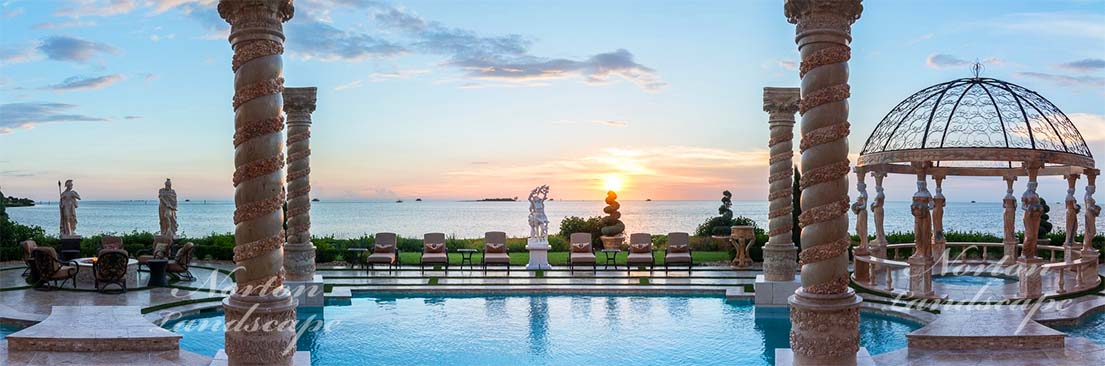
(99, 8)
(149, 76)
(1085, 65)
(788, 64)
(401, 74)
(1091, 126)
(63, 48)
(132, 117)
(30, 114)
(601, 122)
(314, 40)
(350, 85)
(161, 6)
(1067, 24)
(1065, 80)
(11, 13)
(79, 83)
(64, 24)
(14, 173)
(17, 54)
(943, 61)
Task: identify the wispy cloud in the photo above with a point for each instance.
(11, 13)
(80, 83)
(63, 48)
(18, 54)
(1065, 80)
(30, 114)
(943, 61)
(100, 8)
(63, 24)
(1067, 24)
(314, 40)
(132, 117)
(350, 85)
(400, 74)
(1091, 126)
(788, 64)
(601, 122)
(1084, 65)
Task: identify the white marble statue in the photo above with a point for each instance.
(167, 210)
(68, 205)
(538, 222)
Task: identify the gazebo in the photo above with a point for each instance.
(977, 127)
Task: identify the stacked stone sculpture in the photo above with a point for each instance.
(613, 230)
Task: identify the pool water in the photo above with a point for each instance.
(7, 329)
(972, 280)
(1092, 327)
(543, 330)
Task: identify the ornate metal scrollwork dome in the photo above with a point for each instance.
(971, 120)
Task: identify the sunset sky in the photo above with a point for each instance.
(473, 99)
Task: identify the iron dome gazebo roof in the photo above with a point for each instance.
(976, 120)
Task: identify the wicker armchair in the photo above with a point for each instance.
(28, 256)
(50, 269)
(111, 242)
(110, 268)
(161, 250)
(179, 266)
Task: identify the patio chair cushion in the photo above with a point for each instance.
(496, 258)
(640, 248)
(382, 257)
(434, 248)
(63, 272)
(28, 248)
(645, 258)
(161, 250)
(582, 258)
(111, 242)
(435, 257)
(683, 257)
(175, 267)
(495, 248)
(581, 247)
(679, 248)
(377, 248)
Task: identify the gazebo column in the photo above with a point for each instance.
(1009, 240)
(862, 270)
(299, 253)
(877, 208)
(1029, 264)
(1072, 209)
(261, 308)
(921, 263)
(777, 282)
(824, 312)
(1088, 252)
(939, 243)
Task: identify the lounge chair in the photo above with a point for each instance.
(49, 268)
(581, 252)
(384, 251)
(494, 250)
(161, 250)
(111, 242)
(640, 252)
(679, 251)
(434, 251)
(180, 263)
(28, 255)
(110, 268)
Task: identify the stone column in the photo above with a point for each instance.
(921, 263)
(1009, 240)
(879, 249)
(299, 254)
(824, 311)
(260, 313)
(1092, 210)
(1072, 209)
(1029, 264)
(780, 253)
(939, 243)
(862, 269)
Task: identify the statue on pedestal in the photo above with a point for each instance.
(68, 205)
(538, 222)
(167, 210)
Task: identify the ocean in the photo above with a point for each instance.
(467, 219)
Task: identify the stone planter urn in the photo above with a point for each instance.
(743, 237)
(613, 242)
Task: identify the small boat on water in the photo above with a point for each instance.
(314, 200)
(417, 200)
(648, 200)
(398, 201)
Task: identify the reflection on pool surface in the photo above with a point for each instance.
(972, 280)
(1092, 327)
(540, 330)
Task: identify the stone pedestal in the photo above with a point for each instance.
(743, 237)
(774, 293)
(827, 324)
(1009, 257)
(308, 293)
(785, 357)
(1029, 285)
(612, 242)
(538, 254)
(779, 262)
(920, 276)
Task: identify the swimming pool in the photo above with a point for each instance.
(1092, 327)
(972, 280)
(540, 330)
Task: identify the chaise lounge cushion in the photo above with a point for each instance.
(382, 257)
(434, 248)
(496, 258)
(435, 258)
(581, 247)
(587, 258)
(63, 272)
(682, 257)
(640, 248)
(495, 248)
(639, 258)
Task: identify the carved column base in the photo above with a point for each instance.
(260, 329)
(824, 328)
(1029, 283)
(1009, 257)
(920, 276)
(939, 246)
(299, 261)
(780, 262)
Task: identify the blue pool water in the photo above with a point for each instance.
(7, 329)
(972, 280)
(543, 330)
(1092, 327)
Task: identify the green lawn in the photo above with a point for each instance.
(561, 258)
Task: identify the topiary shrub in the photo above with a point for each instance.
(1045, 221)
(726, 215)
(612, 224)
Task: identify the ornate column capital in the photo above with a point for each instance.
(837, 15)
(234, 11)
(300, 99)
(781, 101)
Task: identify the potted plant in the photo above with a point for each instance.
(613, 230)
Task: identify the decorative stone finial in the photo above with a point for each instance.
(232, 10)
(300, 99)
(781, 100)
(848, 10)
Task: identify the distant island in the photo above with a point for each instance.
(12, 201)
(498, 199)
